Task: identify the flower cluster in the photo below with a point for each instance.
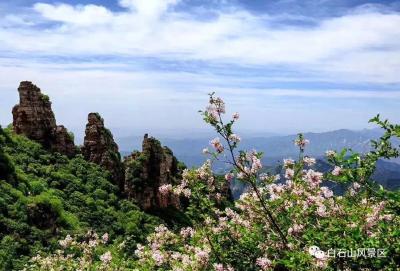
(163, 251)
(165, 189)
(216, 143)
(215, 108)
(301, 142)
(76, 255)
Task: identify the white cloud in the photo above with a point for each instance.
(318, 93)
(359, 48)
(87, 15)
(154, 28)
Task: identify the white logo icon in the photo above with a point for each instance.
(316, 252)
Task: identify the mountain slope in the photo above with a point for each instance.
(44, 196)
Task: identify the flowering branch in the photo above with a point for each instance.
(213, 115)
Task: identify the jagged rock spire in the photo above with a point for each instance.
(99, 147)
(146, 171)
(34, 118)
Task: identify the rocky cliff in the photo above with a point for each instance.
(146, 171)
(138, 177)
(99, 147)
(34, 118)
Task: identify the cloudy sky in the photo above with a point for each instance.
(146, 65)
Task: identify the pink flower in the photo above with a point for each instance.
(204, 170)
(229, 177)
(216, 107)
(322, 263)
(266, 177)
(187, 192)
(202, 256)
(217, 145)
(66, 242)
(158, 257)
(234, 138)
(106, 257)
(139, 250)
(165, 189)
(241, 176)
(297, 228)
(161, 229)
(289, 173)
(212, 112)
(275, 190)
(263, 263)
(327, 192)
(309, 161)
(93, 243)
(330, 153)
(219, 105)
(301, 142)
(187, 232)
(336, 171)
(235, 116)
(256, 164)
(387, 217)
(105, 238)
(356, 186)
(288, 162)
(314, 178)
(220, 267)
(321, 211)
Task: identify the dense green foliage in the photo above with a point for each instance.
(44, 196)
(7, 171)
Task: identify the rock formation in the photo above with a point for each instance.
(34, 118)
(138, 177)
(63, 142)
(99, 147)
(146, 171)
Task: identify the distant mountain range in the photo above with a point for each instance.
(387, 174)
(276, 148)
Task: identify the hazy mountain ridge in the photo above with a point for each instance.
(274, 147)
(386, 174)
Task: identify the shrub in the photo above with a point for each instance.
(290, 224)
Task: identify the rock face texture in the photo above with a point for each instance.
(63, 142)
(146, 171)
(99, 147)
(34, 118)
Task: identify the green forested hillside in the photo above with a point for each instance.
(45, 196)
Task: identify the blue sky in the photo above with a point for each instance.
(287, 66)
